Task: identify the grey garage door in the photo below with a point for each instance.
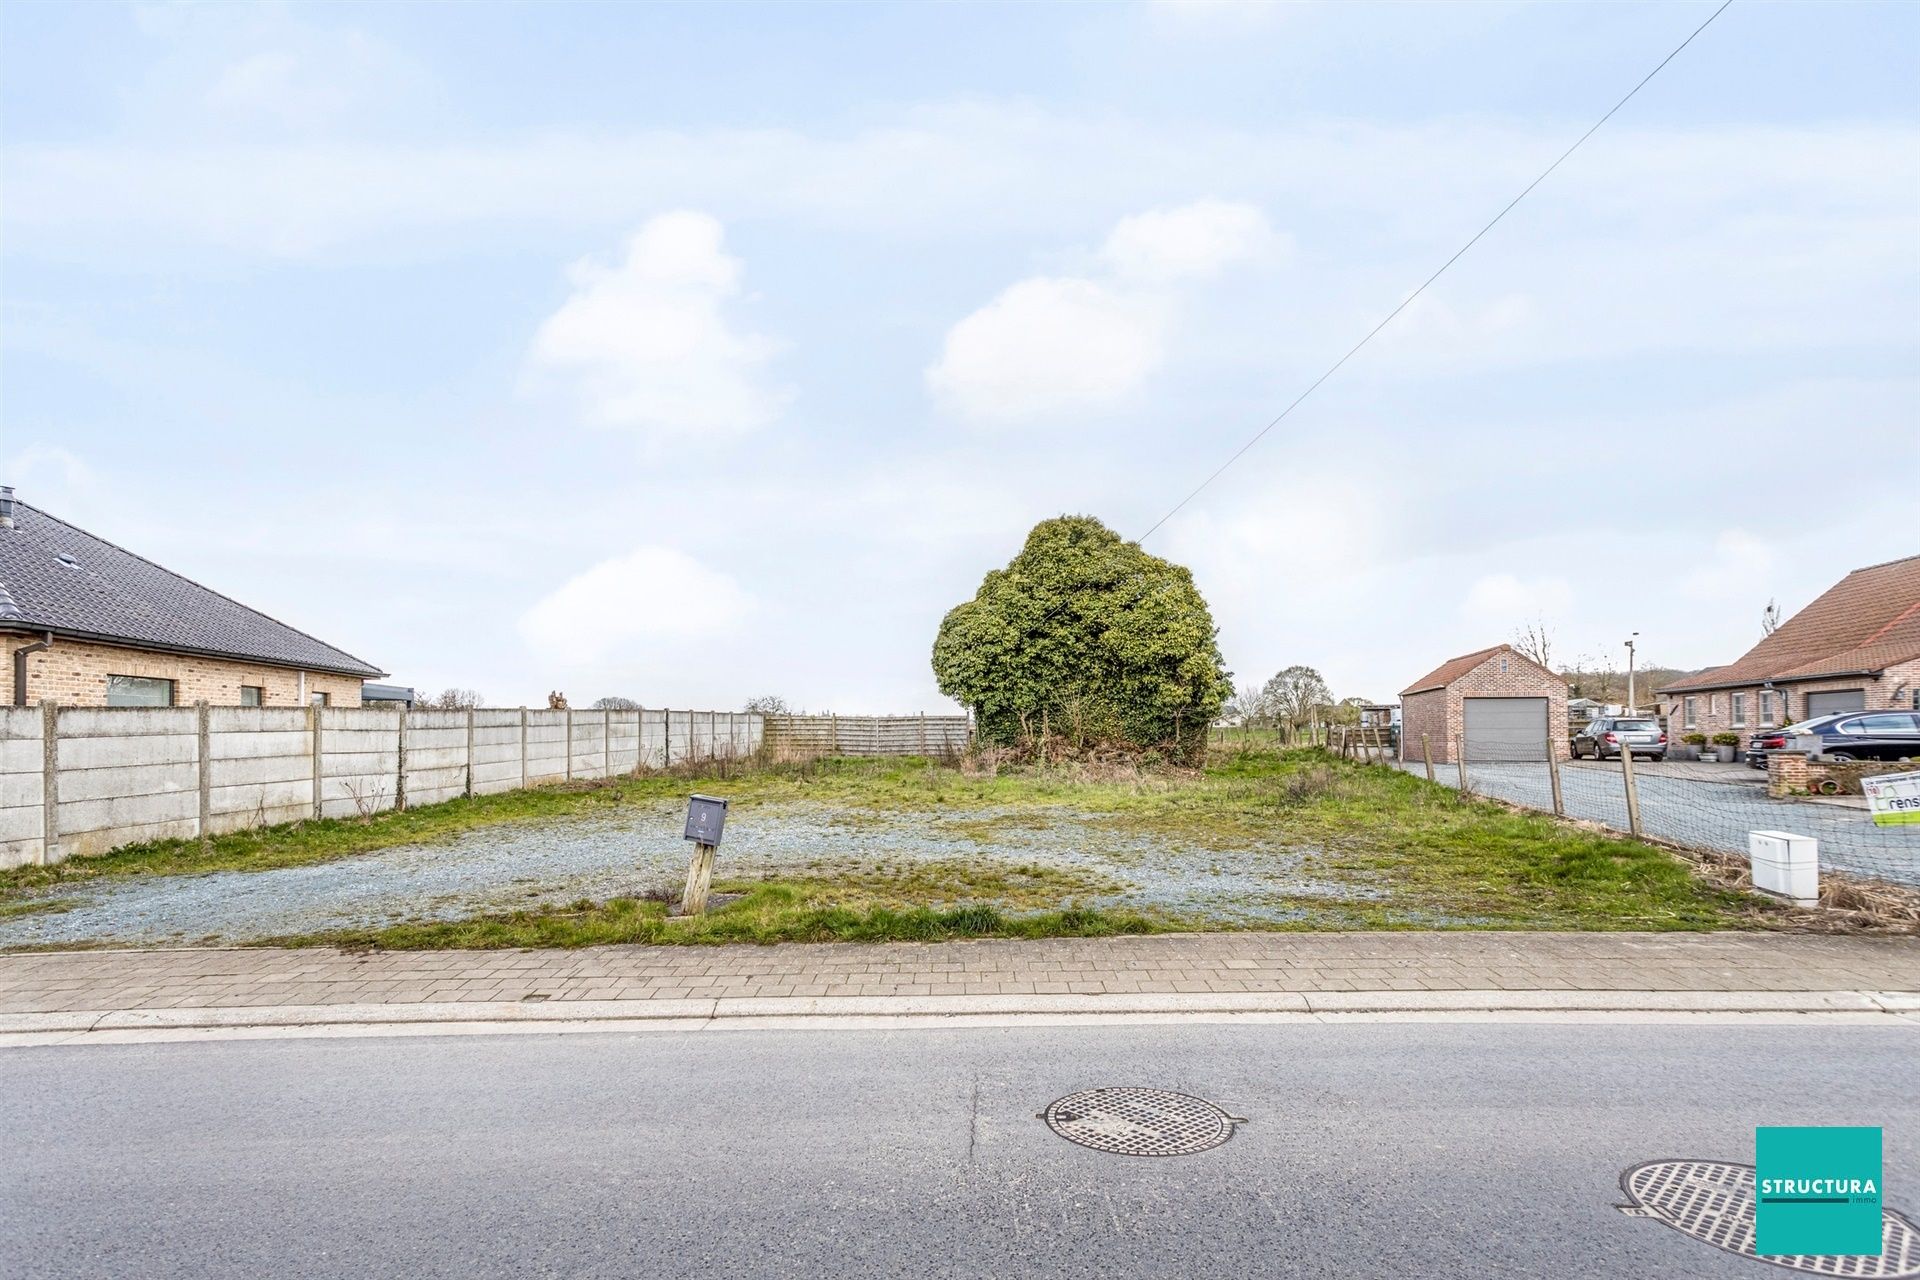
(1835, 702)
(1506, 729)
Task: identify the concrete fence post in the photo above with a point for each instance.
(313, 744)
(204, 735)
(400, 763)
(606, 743)
(469, 788)
(49, 783)
(1633, 790)
(523, 748)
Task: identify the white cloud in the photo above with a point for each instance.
(1048, 345)
(1190, 242)
(1507, 601)
(649, 596)
(643, 342)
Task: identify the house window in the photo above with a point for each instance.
(1503, 666)
(322, 700)
(1693, 712)
(1739, 710)
(252, 695)
(139, 691)
(1766, 706)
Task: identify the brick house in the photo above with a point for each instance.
(1856, 648)
(87, 623)
(1499, 703)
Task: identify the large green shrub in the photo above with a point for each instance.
(1102, 641)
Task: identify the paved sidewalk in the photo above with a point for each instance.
(1234, 964)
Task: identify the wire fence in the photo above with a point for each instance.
(1702, 805)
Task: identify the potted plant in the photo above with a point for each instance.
(1693, 741)
(1725, 745)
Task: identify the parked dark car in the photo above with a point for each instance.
(1851, 735)
(1608, 736)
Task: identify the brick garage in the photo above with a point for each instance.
(1436, 706)
(87, 623)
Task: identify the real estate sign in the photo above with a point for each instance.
(1893, 798)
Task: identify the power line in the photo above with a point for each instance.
(1458, 254)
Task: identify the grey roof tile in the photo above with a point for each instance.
(56, 577)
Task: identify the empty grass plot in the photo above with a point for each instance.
(893, 849)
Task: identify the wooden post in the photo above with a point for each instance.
(205, 734)
(1553, 775)
(400, 763)
(693, 901)
(469, 753)
(1633, 791)
(1460, 759)
(1426, 753)
(49, 782)
(313, 741)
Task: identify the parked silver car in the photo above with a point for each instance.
(1606, 737)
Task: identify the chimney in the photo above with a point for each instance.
(6, 506)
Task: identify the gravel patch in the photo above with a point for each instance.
(599, 856)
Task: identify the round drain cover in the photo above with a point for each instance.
(1139, 1122)
(1713, 1201)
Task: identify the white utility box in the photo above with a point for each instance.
(1786, 865)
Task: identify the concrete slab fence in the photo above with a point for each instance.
(78, 781)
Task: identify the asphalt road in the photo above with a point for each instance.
(1372, 1150)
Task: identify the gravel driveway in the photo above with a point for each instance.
(1707, 805)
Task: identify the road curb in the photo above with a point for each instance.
(828, 1011)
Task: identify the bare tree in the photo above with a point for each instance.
(454, 700)
(768, 704)
(1535, 641)
(614, 702)
(1249, 702)
(1770, 618)
(1298, 696)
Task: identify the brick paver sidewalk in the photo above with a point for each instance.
(49, 982)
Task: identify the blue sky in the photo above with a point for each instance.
(689, 353)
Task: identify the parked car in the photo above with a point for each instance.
(1851, 735)
(1608, 736)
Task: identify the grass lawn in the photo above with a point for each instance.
(1426, 858)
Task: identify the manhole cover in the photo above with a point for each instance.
(1139, 1122)
(1712, 1200)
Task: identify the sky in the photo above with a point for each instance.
(692, 353)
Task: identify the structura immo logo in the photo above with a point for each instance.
(1817, 1190)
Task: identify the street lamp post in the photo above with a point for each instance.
(1633, 703)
